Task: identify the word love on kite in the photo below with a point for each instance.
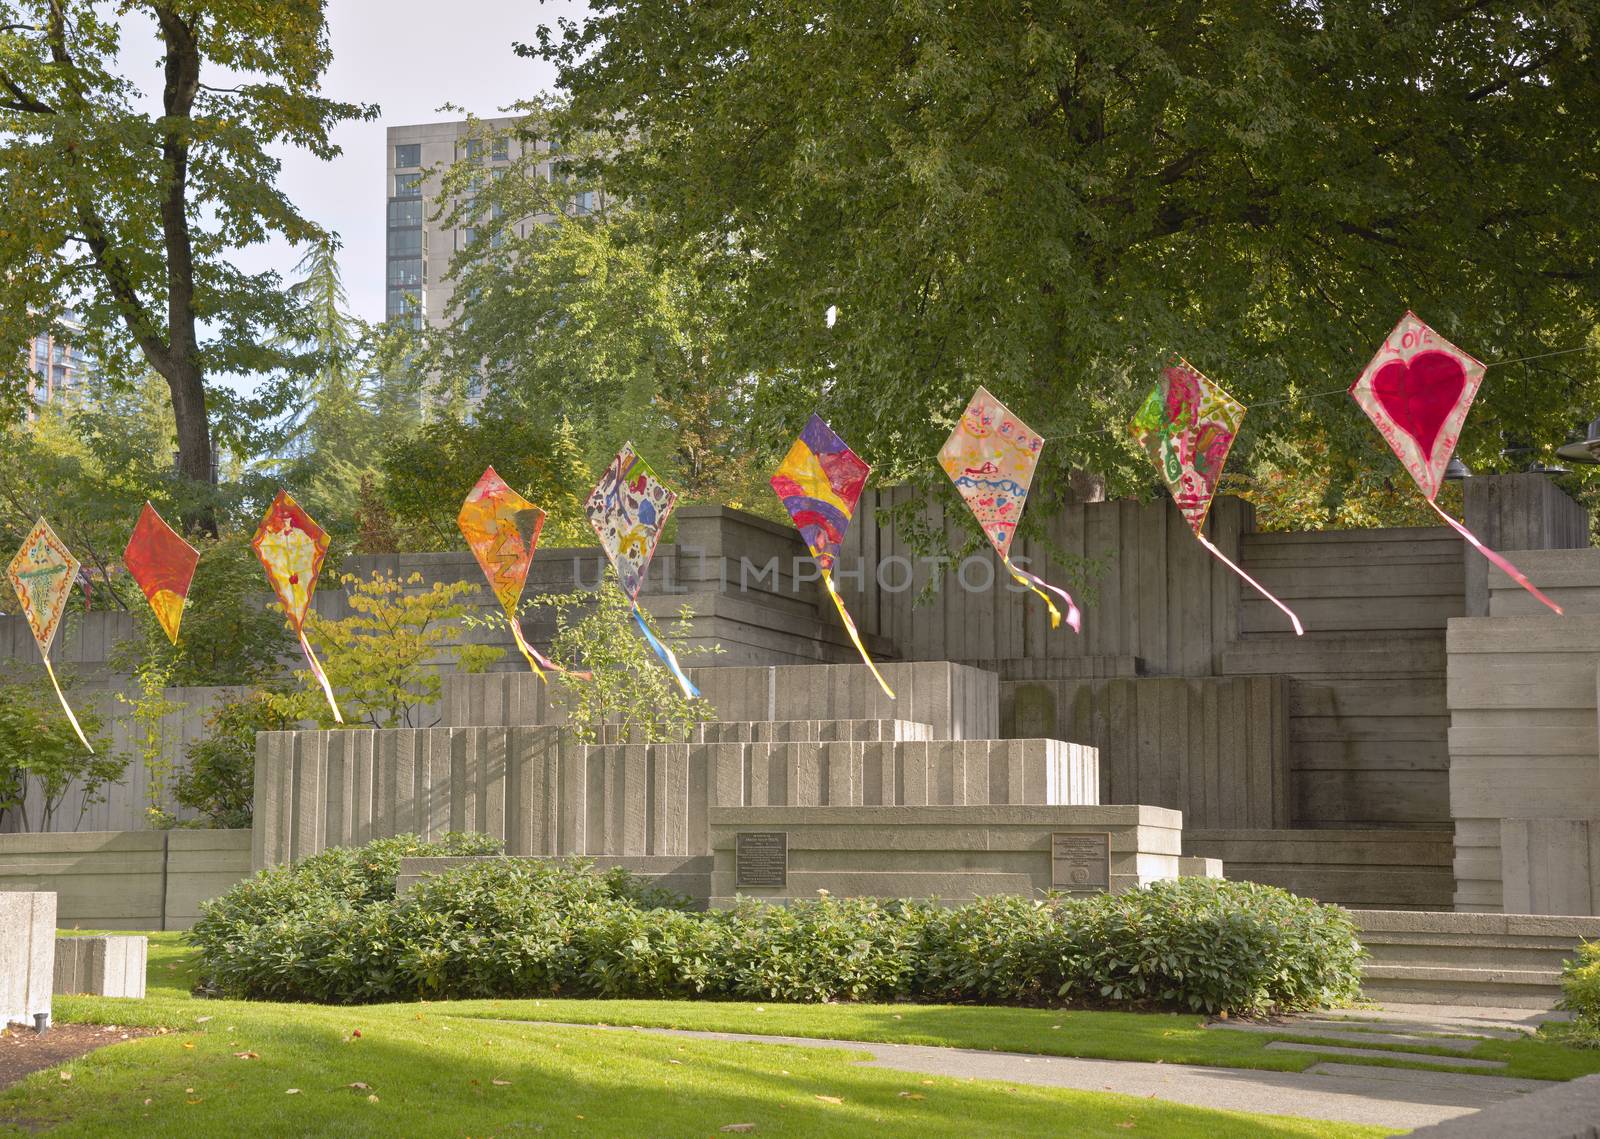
(163, 565)
(820, 482)
(502, 530)
(1417, 391)
(292, 547)
(628, 509)
(991, 456)
(1187, 427)
(41, 575)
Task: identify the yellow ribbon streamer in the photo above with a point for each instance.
(65, 707)
(855, 637)
(1039, 585)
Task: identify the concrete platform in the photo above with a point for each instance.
(27, 955)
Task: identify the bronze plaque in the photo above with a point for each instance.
(1081, 863)
(761, 860)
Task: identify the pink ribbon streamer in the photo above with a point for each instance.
(1039, 586)
(1299, 630)
(1499, 562)
(537, 660)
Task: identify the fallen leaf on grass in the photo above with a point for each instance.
(927, 1083)
(188, 1091)
(247, 1055)
(360, 1087)
(1126, 1125)
(501, 1083)
(192, 1102)
(203, 1019)
(189, 1044)
(737, 1128)
(292, 1091)
(372, 1099)
(830, 1099)
(912, 1095)
(66, 1077)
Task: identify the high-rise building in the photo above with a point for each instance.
(419, 244)
(57, 368)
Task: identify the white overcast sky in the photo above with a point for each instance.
(410, 57)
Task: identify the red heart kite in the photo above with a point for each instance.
(1418, 390)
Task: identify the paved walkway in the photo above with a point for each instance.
(1350, 1093)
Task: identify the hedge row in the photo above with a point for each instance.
(331, 930)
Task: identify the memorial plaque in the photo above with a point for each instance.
(761, 860)
(1081, 863)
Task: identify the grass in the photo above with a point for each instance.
(443, 1069)
(433, 1069)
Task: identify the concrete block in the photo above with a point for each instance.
(1191, 867)
(27, 955)
(101, 965)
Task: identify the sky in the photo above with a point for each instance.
(410, 57)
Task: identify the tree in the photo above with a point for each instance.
(567, 302)
(134, 217)
(1052, 198)
(379, 658)
(38, 745)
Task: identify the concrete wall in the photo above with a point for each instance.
(956, 702)
(546, 794)
(1516, 512)
(1214, 748)
(126, 880)
(950, 853)
(27, 955)
(1368, 869)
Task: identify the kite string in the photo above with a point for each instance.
(65, 707)
(1298, 396)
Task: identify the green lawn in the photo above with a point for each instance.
(434, 1067)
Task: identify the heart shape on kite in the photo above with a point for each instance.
(1419, 394)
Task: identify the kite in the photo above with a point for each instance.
(163, 565)
(1417, 391)
(628, 510)
(1187, 426)
(990, 456)
(820, 482)
(502, 528)
(42, 574)
(291, 548)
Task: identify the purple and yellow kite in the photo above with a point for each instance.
(628, 510)
(291, 547)
(1417, 391)
(42, 574)
(991, 456)
(820, 481)
(1187, 426)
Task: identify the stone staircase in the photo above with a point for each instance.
(1500, 960)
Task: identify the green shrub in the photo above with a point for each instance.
(219, 780)
(1580, 986)
(331, 929)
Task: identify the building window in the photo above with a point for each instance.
(405, 243)
(465, 238)
(406, 304)
(500, 151)
(405, 213)
(408, 154)
(470, 149)
(584, 203)
(406, 272)
(408, 185)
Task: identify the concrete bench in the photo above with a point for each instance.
(27, 955)
(101, 965)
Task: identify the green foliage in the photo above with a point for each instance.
(135, 213)
(1052, 198)
(1580, 988)
(149, 707)
(378, 658)
(219, 778)
(38, 743)
(428, 472)
(331, 930)
(628, 687)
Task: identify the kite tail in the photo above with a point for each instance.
(537, 661)
(1299, 630)
(322, 677)
(65, 707)
(666, 655)
(855, 637)
(1500, 562)
(1039, 586)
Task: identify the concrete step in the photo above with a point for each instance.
(1359, 1038)
(1506, 988)
(1390, 653)
(1411, 1027)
